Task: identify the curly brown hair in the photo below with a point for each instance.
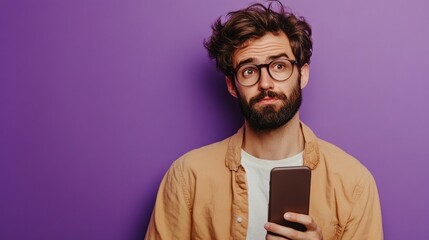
(254, 22)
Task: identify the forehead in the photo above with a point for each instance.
(260, 50)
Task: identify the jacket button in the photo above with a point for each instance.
(239, 219)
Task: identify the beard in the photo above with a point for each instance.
(267, 117)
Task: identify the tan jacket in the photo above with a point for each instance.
(204, 194)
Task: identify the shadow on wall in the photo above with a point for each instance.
(217, 111)
(148, 203)
(224, 118)
(225, 112)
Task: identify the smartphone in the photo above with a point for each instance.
(289, 192)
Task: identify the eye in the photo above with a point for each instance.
(278, 66)
(248, 71)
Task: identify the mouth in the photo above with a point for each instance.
(268, 100)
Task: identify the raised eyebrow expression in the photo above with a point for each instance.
(251, 60)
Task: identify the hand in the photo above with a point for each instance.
(313, 231)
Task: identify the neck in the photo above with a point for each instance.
(276, 144)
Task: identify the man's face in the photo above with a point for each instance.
(269, 104)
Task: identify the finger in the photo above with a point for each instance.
(271, 236)
(287, 233)
(305, 220)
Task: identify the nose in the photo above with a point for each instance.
(265, 81)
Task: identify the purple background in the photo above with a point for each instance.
(97, 98)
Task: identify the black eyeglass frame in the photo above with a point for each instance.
(266, 65)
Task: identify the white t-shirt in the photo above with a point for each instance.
(258, 180)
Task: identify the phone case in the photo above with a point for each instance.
(289, 192)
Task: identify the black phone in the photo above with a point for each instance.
(289, 192)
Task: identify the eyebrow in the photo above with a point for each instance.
(250, 60)
(278, 56)
(245, 61)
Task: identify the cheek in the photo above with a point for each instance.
(246, 94)
(290, 85)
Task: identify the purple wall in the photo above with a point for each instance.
(97, 98)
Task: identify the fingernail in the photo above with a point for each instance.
(267, 225)
(287, 215)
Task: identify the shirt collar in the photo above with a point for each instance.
(311, 149)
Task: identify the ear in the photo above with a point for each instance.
(231, 86)
(305, 75)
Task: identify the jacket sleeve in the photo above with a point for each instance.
(365, 219)
(171, 216)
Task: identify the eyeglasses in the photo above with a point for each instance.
(279, 69)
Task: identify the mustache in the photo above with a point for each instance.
(270, 94)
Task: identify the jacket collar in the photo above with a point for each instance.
(311, 149)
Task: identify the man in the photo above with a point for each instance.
(220, 191)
